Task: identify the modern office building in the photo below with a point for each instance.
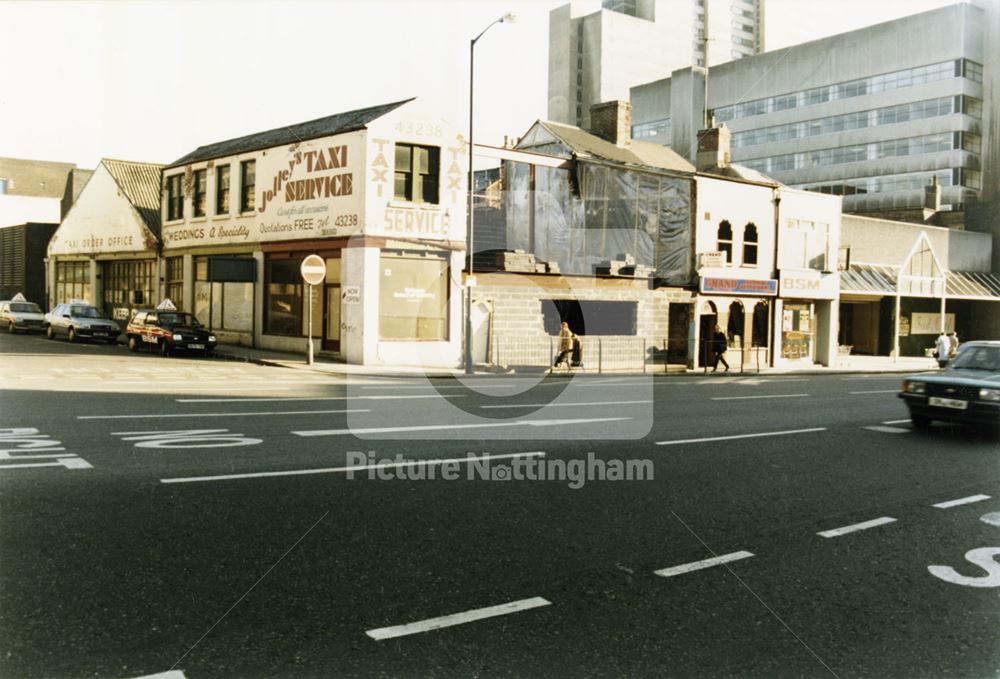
(596, 56)
(874, 115)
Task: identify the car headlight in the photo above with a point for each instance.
(913, 387)
(178, 338)
(986, 394)
(211, 338)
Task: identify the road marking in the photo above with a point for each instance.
(961, 501)
(984, 557)
(854, 527)
(345, 470)
(153, 390)
(875, 391)
(887, 430)
(251, 399)
(437, 427)
(906, 421)
(187, 438)
(704, 563)
(743, 398)
(67, 462)
(993, 518)
(740, 436)
(171, 674)
(247, 414)
(430, 624)
(567, 405)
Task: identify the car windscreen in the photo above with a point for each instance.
(175, 319)
(25, 308)
(85, 312)
(978, 358)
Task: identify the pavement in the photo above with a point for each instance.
(323, 364)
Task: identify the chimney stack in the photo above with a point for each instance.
(713, 148)
(612, 120)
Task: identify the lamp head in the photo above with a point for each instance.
(508, 18)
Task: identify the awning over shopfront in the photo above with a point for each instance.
(973, 285)
(869, 279)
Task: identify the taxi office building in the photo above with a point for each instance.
(378, 193)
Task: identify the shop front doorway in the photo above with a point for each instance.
(331, 317)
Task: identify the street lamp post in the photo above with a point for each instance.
(506, 18)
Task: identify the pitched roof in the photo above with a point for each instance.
(735, 171)
(638, 153)
(321, 127)
(140, 182)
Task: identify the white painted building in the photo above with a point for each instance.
(379, 193)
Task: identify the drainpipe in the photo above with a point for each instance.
(775, 320)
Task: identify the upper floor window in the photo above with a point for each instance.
(247, 170)
(804, 245)
(175, 198)
(417, 174)
(725, 239)
(200, 186)
(750, 244)
(222, 190)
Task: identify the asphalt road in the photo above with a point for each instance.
(201, 518)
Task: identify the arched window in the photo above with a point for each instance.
(725, 239)
(750, 243)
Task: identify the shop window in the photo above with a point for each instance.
(72, 282)
(416, 177)
(200, 186)
(128, 284)
(413, 297)
(222, 305)
(284, 297)
(759, 327)
(175, 281)
(750, 244)
(222, 190)
(594, 317)
(175, 198)
(247, 185)
(725, 240)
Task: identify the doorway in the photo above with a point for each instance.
(331, 317)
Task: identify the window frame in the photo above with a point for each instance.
(223, 174)
(415, 181)
(199, 193)
(247, 188)
(175, 197)
(723, 244)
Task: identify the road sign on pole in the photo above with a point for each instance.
(313, 273)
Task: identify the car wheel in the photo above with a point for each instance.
(10, 328)
(133, 343)
(921, 422)
(164, 349)
(71, 335)
(50, 333)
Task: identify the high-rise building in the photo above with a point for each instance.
(874, 115)
(597, 56)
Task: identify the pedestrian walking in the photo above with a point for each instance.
(942, 348)
(953, 348)
(719, 346)
(566, 338)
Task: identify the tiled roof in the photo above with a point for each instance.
(973, 285)
(140, 182)
(321, 127)
(871, 279)
(638, 153)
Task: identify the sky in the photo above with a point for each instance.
(151, 81)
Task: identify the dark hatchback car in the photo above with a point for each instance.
(967, 390)
(80, 321)
(168, 332)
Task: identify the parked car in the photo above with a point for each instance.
(967, 390)
(24, 316)
(168, 331)
(80, 321)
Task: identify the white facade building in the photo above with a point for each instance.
(596, 56)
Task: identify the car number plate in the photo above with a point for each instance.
(954, 403)
(196, 346)
(100, 334)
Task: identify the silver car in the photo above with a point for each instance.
(26, 316)
(80, 321)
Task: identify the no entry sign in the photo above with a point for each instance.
(313, 270)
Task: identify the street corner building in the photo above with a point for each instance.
(107, 248)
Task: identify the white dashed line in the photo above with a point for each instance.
(457, 618)
(740, 436)
(906, 421)
(887, 430)
(704, 563)
(566, 405)
(961, 501)
(875, 391)
(746, 398)
(247, 414)
(437, 427)
(854, 527)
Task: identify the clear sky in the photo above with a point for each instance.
(151, 81)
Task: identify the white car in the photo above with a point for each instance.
(21, 316)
